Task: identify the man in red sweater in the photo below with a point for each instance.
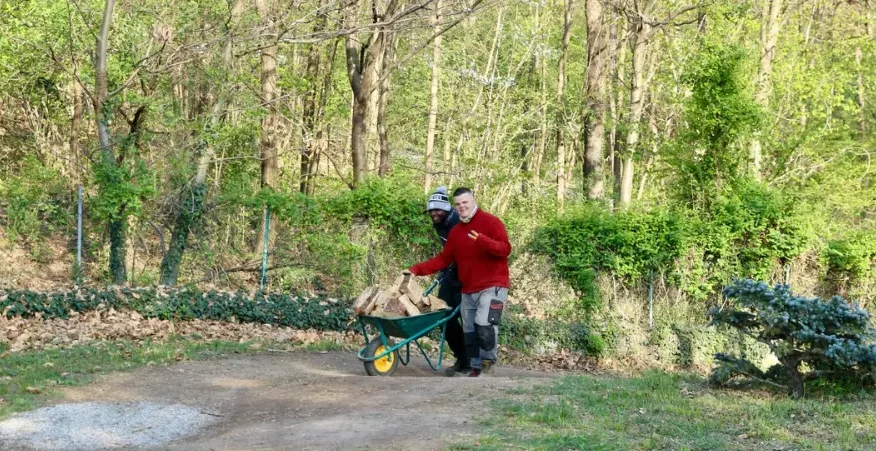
(480, 248)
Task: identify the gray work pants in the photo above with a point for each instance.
(481, 337)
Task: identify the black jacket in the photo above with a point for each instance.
(449, 276)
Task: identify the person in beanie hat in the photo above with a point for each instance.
(479, 248)
(444, 218)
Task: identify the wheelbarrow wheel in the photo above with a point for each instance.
(383, 366)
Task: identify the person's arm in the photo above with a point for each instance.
(441, 261)
(495, 241)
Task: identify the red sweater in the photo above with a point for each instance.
(482, 263)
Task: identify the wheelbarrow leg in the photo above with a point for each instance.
(364, 333)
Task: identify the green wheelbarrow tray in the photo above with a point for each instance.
(407, 329)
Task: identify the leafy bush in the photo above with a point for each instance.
(35, 202)
(185, 304)
(852, 260)
(352, 238)
(631, 244)
(745, 232)
(545, 334)
(812, 338)
(720, 112)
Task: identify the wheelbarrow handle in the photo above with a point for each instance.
(432, 287)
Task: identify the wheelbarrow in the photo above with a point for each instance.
(381, 354)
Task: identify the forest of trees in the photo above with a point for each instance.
(699, 140)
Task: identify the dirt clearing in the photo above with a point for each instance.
(309, 400)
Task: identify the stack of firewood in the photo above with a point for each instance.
(403, 298)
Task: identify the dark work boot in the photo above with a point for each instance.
(459, 367)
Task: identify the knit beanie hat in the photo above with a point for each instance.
(439, 200)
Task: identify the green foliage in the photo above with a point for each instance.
(549, 334)
(834, 339)
(353, 237)
(719, 113)
(745, 232)
(634, 245)
(394, 206)
(694, 345)
(122, 189)
(35, 203)
(188, 218)
(852, 260)
(184, 304)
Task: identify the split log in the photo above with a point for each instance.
(377, 302)
(410, 287)
(359, 306)
(410, 308)
(403, 298)
(395, 306)
(436, 303)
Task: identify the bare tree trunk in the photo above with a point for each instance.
(543, 131)
(639, 45)
(652, 128)
(615, 99)
(433, 106)
(384, 163)
(363, 81)
(594, 92)
(310, 111)
(118, 222)
(372, 134)
(572, 158)
(559, 119)
(358, 105)
(446, 161)
(192, 202)
(270, 122)
(101, 84)
(75, 123)
(862, 122)
(641, 31)
(769, 35)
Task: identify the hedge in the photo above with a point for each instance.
(185, 304)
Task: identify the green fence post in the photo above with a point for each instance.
(265, 251)
(651, 301)
(78, 270)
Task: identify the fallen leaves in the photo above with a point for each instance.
(562, 359)
(24, 334)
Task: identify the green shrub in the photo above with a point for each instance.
(632, 245)
(546, 334)
(750, 228)
(36, 202)
(350, 238)
(852, 260)
(745, 232)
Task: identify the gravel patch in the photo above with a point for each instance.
(101, 426)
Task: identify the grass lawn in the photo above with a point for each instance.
(659, 411)
(28, 379)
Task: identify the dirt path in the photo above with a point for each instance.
(320, 401)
